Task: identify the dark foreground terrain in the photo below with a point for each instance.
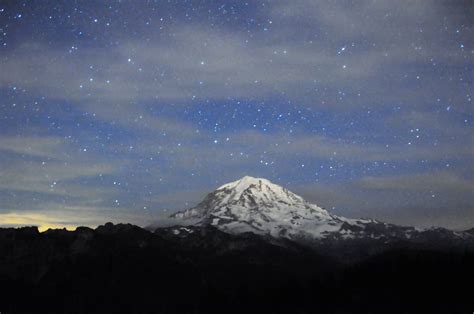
(126, 269)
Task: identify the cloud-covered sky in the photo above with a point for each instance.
(129, 110)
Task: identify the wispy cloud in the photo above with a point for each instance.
(46, 147)
(198, 62)
(422, 199)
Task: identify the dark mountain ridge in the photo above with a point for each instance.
(201, 269)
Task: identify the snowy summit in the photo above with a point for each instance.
(260, 206)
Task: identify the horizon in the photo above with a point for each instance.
(131, 110)
(168, 221)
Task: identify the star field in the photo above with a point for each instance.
(129, 110)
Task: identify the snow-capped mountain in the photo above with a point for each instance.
(260, 206)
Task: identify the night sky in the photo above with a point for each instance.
(126, 111)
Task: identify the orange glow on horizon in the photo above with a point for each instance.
(42, 221)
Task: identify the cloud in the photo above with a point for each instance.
(52, 178)
(441, 181)
(196, 62)
(421, 199)
(138, 117)
(446, 127)
(325, 147)
(43, 175)
(46, 147)
(48, 165)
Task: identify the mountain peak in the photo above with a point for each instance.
(245, 182)
(257, 190)
(260, 206)
(250, 179)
